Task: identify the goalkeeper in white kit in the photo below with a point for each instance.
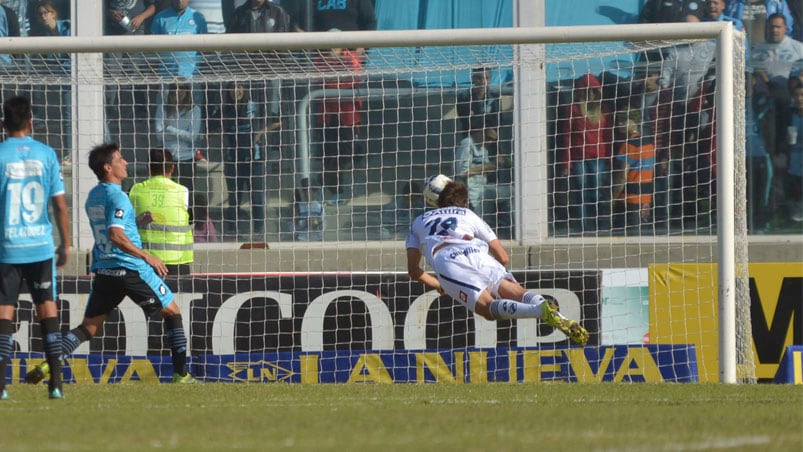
(456, 243)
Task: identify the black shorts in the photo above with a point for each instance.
(110, 286)
(40, 277)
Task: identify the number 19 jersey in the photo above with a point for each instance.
(30, 175)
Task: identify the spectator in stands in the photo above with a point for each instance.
(633, 174)
(792, 144)
(715, 12)
(50, 25)
(796, 12)
(245, 134)
(771, 63)
(341, 119)
(17, 9)
(585, 134)
(162, 209)
(55, 64)
(398, 214)
(203, 229)
(5, 31)
(473, 164)
(125, 17)
(481, 100)
(661, 11)
(259, 16)
(736, 8)
(685, 65)
(309, 215)
(346, 15)
(654, 106)
(178, 128)
(179, 19)
(697, 166)
(759, 168)
(12, 20)
(262, 16)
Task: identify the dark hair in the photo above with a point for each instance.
(776, 16)
(100, 156)
(16, 113)
(453, 194)
(480, 70)
(160, 161)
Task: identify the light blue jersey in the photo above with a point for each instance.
(108, 207)
(30, 175)
(190, 22)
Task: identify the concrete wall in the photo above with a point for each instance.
(391, 256)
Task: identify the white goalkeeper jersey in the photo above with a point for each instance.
(448, 226)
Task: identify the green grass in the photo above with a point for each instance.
(427, 417)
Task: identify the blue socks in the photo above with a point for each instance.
(177, 341)
(6, 346)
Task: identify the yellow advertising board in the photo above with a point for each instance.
(683, 309)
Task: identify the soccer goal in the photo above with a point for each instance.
(613, 169)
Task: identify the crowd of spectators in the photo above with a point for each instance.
(633, 163)
(647, 154)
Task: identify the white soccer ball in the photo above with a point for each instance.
(433, 187)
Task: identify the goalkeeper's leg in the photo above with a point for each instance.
(531, 305)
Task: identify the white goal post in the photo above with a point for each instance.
(532, 230)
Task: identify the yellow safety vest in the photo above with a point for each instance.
(169, 237)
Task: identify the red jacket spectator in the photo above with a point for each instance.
(586, 129)
(347, 110)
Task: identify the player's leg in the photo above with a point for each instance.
(505, 298)
(509, 289)
(177, 341)
(467, 273)
(107, 292)
(10, 281)
(147, 286)
(6, 343)
(41, 280)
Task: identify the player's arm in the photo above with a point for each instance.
(417, 273)
(498, 252)
(59, 203)
(120, 240)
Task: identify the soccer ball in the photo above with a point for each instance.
(433, 187)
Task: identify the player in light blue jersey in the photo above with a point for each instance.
(121, 267)
(30, 178)
(469, 264)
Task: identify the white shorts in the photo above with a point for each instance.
(464, 271)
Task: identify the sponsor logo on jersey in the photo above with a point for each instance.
(116, 272)
(118, 213)
(23, 169)
(464, 252)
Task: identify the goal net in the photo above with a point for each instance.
(597, 161)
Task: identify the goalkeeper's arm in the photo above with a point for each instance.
(417, 273)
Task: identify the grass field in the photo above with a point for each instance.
(428, 417)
